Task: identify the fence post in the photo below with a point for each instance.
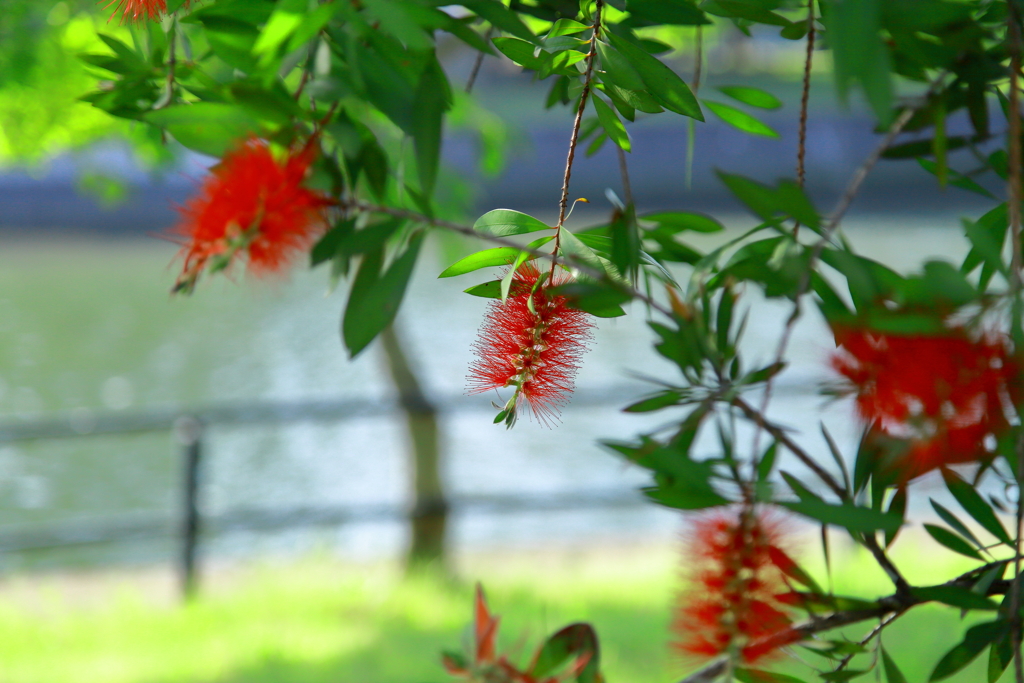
(188, 431)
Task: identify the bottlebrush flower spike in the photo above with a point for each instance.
(137, 10)
(531, 341)
(254, 205)
(733, 604)
(943, 394)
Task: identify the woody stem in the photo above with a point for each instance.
(587, 81)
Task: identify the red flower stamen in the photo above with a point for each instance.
(942, 394)
(252, 204)
(731, 605)
(139, 10)
(532, 341)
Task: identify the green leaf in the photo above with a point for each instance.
(762, 676)
(662, 399)
(753, 97)
(854, 518)
(570, 246)
(520, 52)
(739, 119)
(578, 641)
(207, 127)
(766, 202)
(566, 27)
(955, 596)
(975, 505)
(661, 81)
(679, 221)
(952, 541)
(501, 17)
(489, 258)
(892, 672)
(327, 246)
(287, 17)
(596, 299)
(430, 103)
(859, 53)
(375, 296)
(617, 68)
(487, 290)
(671, 12)
(745, 10)
(962, 654)
(611, 124)
(957, 179)
(506, 222)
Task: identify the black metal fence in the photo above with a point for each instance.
(188, 427)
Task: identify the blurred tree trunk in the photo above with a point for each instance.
(429, 515)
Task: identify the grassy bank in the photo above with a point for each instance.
(319, 620)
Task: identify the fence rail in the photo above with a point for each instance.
(188, 427)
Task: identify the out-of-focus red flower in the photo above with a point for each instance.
(535, 348)
(139, 10)
(731, 605)
(252, 205)
(943, 394)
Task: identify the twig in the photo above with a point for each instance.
(867, 639)
(758, 418)
(826, 236)
(894, 604)
(172, 61)
(587, 80)
(1014, 200)
(505, 242)
(479, 63)
(801, 150)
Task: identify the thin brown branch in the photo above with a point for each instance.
(780, 435)
(867, 639)
(354, 204)
(891, 605)
(801, 151)
(172, 62)
(1014, 201)
(478, 63)
(587, 81)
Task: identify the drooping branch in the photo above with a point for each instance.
(358, 205)
(889, 606)
(801, 151)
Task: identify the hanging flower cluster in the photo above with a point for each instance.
(252, 205)
(943, 394)
(532, 341)
(139, 10)
(736, 594)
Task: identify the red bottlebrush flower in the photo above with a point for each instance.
(252, 203)
(138, 10)
(531, 341)
(943, 394)
(733, 604)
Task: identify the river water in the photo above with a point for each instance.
(88, 327)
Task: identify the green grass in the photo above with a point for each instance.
(319, 620)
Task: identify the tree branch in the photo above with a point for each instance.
(895, 604)
(505, 242)
(587, 80)
(780, 435)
